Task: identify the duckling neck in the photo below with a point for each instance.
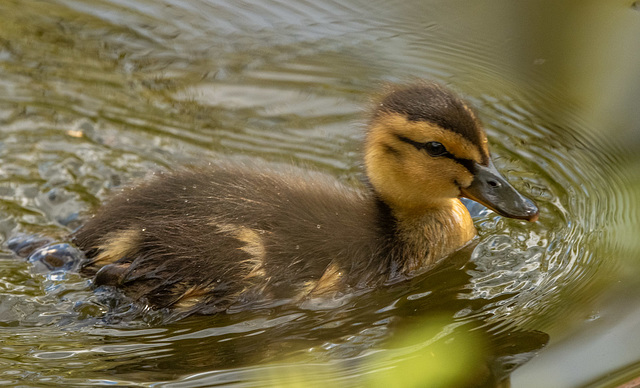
(431, 234)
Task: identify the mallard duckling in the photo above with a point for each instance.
(201, 240)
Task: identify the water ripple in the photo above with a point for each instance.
(94, 95)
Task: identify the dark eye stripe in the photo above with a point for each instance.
(466, 163)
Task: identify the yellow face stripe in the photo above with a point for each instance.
(423, 132)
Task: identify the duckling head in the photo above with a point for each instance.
(425, 148)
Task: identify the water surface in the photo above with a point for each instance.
(95, 94)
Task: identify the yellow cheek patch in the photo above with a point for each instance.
(464, 180)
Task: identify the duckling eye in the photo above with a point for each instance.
(435, 148)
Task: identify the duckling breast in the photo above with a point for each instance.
(430, 237)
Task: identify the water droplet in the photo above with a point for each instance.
(318, 226)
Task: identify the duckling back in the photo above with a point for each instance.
(204, 239)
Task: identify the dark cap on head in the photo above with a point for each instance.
(435, 104)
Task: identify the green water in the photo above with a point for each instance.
(95, 94)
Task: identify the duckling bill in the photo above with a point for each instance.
(201, 240)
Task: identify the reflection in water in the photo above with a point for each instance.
(94, 94)
(224, 346)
